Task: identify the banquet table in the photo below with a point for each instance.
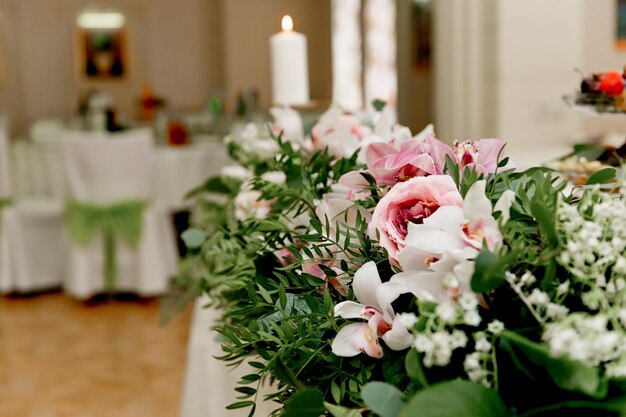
(38, 170)
(209, 385)
(180, 169)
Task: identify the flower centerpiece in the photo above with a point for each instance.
(368, 271)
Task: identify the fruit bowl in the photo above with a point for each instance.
(600, 93)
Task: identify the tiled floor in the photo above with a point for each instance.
(62, 358)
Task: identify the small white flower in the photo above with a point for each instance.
(472, 361)
(471, 318)
(423, 344)
(408, 320)
(556, 311)
(495, 327)
(468, 301)
(563, 288)
(483, 345)
(621, 315)
(538, 297)
(458, 339)
(446, 312)
(277, 177)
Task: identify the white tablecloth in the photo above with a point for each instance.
(209, 385)
(38, 171)
(179, 170)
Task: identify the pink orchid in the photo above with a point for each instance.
(481, 155)
(374, 305)
(351, 186)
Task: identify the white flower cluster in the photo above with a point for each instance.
(537, 301)
(478, 364)
(585, 338)
(438, 346)
(255, 140)
(594, 233)
(436, 341)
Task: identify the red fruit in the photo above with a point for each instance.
(612, 83)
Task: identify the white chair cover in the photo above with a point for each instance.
(106, 169)
(5, 170)
(32, 241)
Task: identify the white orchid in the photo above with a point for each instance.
(374, 305)
(438, 258)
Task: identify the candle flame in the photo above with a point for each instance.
(287, 23)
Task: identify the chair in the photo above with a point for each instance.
(32, 248)
(119, 241)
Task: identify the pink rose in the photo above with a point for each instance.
(410, 202)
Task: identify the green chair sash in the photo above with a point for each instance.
(113, 222)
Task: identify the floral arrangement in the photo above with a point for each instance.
(366, 271)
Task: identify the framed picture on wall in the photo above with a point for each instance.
(101, 47)
(620, 32)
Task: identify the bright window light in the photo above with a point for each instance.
(101, 20)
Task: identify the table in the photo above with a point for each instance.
(179, 170)
(209, 385)
(38, 172)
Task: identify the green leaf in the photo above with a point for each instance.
(212, 185)
(379, 104)
(488, 273)
(193, 238)
(240, 404)
(308, 402)
(455, 399)
(602, 177)
(382, 398)
(339, 411)
(565, 373)
(546, 218)
(590, 151)
(414, 368)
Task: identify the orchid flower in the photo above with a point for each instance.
(439, 253)
(374, 305)
(481, 155)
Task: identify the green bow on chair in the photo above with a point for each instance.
(4, 202)
(116, 221)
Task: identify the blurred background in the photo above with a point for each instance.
(175, 77)
(479, 68)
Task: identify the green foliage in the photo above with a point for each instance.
(453, 399)
(566, 373)
(602, 177)
(383, 399)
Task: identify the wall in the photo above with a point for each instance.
(174, 44)
(599, 55)
(539, 45)
(247, 26)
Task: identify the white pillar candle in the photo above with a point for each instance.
(290, 67)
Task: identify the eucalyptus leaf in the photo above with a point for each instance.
(193, 238)
(414, 368)
(455, 399)
(382, 398)
(602, 177)
(307, 402)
